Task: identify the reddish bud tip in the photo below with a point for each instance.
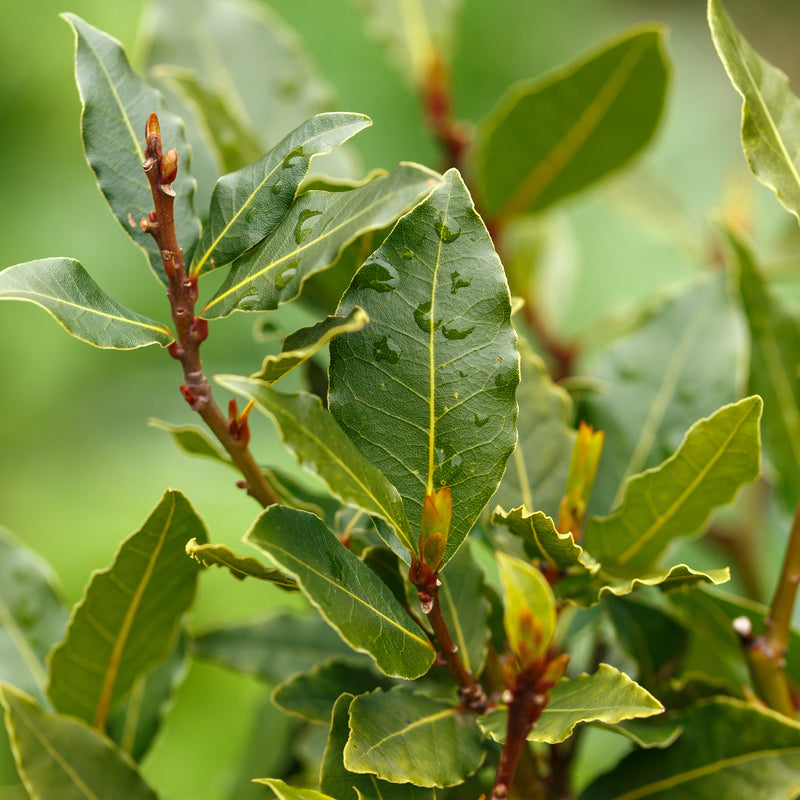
(199, 329)
(189, 396)
(152, 128)
(169, 166)
(175, 350)
(191, 285)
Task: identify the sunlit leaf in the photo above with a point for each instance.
(426, 390)
(284, 791)
(63, 288)
(651, 732)
(241, 567)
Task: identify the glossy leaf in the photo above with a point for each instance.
(554, 136)
(336, 781)
(63, 288)
(247, 205)
(681, 363)
(273, 647)
(302, 344)
(770, 111)
(405, 737)
(717, 456)
(62, 758)
(311, 237)
(116, 106)
(774, 352)
(426, 390)
(608, 695)
(241, 567)
(129, 615)
(760, 759)
(32, 617)
(344, 590)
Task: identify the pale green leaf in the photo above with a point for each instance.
(682, 362)
(302, 344)
(32, 617)
(247, 205)
(129, 615)
(116, 106)
(405, 737)
(717, 456)
(63, 288)
(62, 758)
(770, 111)
(728, 749)
(241, 567)
(345, 591)
(283, 791)
(647, 733)
(312, 435)
(311, 237)
(192, 439)
(555, 135)
(608, 695)
(426, 390)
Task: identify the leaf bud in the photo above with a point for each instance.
(169, 166)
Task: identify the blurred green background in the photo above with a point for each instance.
(80, 469)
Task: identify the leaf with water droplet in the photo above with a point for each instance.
(386, 350)
(456, 283)
(422, 316)
(447, 233)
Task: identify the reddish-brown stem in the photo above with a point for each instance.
(437, 100)
(191, 330)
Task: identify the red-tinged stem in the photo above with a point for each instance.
(437, 99)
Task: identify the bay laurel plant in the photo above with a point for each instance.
(484, 554)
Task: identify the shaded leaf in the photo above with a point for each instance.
(717, 456)
(32, 617)
(344, 590)
(311, 237)
(116, 106)
(63, 288)
(192, 439)
(762, 759)
(129, 615)
(681, 363)
(302, 344)
(647, 733)
(405, 737)
(284, 791)
(770, 111)
(241, 567)
(426, 390)
(608, 695)
(247, 205)
(553, 136)
(62, 758)
(312, 435)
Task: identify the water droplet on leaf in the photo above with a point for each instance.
(291, 158)
(407, 254)
(480, 421)
(285, 274)
(276, 187)
(375, 276)
(386, 350)
(454, 333)
(446, 234)
(301, 233)
(422, 316)
(456, 283)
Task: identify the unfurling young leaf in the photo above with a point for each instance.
(240, 567)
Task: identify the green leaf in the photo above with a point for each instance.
(240, 567)
(273, 647)
(717, 456)
(116, 106)
(774, 352)
(284, 791)
(129, 615)
(302, 344)
(770, 111)
(344, 590)
(728, 749)
(426, 390)
(192, 439)
(311, 237)
(606, 696)
(554, 136)
(311, 434)
(32, 616)
(63, 288)
(405, 737)
(537, 470)
(312, 694)
(62, 758)
(247, 205)
(647, 733)
(682, 362)
(336, 781)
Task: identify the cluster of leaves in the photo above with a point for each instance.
(451, 468)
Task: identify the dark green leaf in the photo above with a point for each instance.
(405, 737)
(129, 615)
(553, 136)
(717, 456)
(64, 289)
(241, 567)
(312, 236)
(62, 758)
(116, 106)
(32, 617)
(345, 591)
(426, 390)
